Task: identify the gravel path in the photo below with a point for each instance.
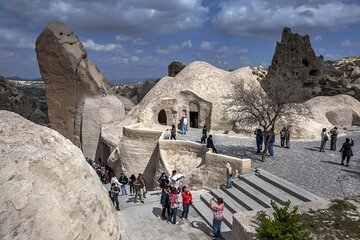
(303, 164)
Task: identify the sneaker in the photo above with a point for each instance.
(182, 218)
(142, 201)
(177, 223)
(187, 219)
(346, 165)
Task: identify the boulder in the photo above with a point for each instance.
(48, 191)
(96, 112)
(70, 77)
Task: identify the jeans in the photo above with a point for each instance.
(228, 182)
(185, 212)
(115, 201)
(333, 144)
(183, 128)
(282, 142)
(258, 146)
(271, 148)
(140, 192)
(166, 209)
(132, 189)
(123, 189)
(322, 146)
(173, 215)
(216, 228)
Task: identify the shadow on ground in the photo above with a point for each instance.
(203, 227)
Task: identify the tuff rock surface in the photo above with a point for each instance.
(48, 191)
(70, 77)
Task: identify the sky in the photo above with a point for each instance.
(137, 39)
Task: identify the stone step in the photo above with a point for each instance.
(253, 193)
(287, 186)
(242, 199)
(270, 190)
(230, 203)
(207, 214)
(228, 215)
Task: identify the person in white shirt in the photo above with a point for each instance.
(184, 125)
(324, 139)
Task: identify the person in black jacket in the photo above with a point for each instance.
(204, 135)
(346, 151)
(210, 144)
(123, 180)
(165, 202)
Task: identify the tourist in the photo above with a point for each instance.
(114, 195)
(346, 151)
(140, 188)
(288, 135)
(123, 181)
(132, 180)
(333, 138)
(165, 202)
(184, 125)
(282, 137)
(324, 139)
(173, 132)
(163, 181)
(210, 144)
(218, 208)
(204, 135)
(271, 144)
(174, 205)
(228, 175)
(187, 200)
(115, 180)
(259, 140)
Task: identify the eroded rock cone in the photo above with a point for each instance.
(48, 190)
(69, 78)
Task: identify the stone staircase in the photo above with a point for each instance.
(250, 192)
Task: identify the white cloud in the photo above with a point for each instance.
(134, 59)
(123, 38)
(163, 51)
(346, 43)
(318, 38)
(91, 45)
(231, 50)
(206, 45)
(262, 17)
(139, 51)
(130, 17)
(15, 39)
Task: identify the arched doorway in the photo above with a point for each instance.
(162, 117)
(194, 115)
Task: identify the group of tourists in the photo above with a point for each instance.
(346, 149)
(284, 134)
(171, 192)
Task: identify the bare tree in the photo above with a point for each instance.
(249, 105)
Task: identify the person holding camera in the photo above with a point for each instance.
(187, 201)
(114, 193)
(217, 205)
(346, 151)
(333, 138)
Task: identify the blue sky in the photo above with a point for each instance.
(136, 39)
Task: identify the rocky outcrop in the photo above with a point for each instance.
(295, 60)
(174, 68)
(48, 191)
(259, 72)
(70, 77)
(96, 112)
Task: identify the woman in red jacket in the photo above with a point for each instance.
(187, 200)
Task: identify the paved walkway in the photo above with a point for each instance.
(303, 164)
(143, 221)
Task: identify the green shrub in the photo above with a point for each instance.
(285, 225)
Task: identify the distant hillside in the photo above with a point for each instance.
(23, 79)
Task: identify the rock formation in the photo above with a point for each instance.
(295, 60)
(174, 68)
(48, 191)
(70, 77)
(98, 111)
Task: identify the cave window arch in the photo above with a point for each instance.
(305, 62)
(162, 119)
(314, 72)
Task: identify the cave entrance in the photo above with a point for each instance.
(162, 117)
(314, 72)
(194, 115)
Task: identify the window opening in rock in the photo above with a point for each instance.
(162, 117)
(314, 72)
(305, 62)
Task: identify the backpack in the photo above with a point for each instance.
(326, 137)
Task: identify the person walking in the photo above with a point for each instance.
(271, 144)
(184, 125)
(174, 205)
(228, 175)
(204, 135)
(114, 192)
(324, 139)
(140, 188)
(187, 200)
(282, 137)
(123, 182)
(333, 138)
(346, 151)
(259, 140)
(217, 205)
(132, 180)
(172, 132)
(165, 202)
(210, 144)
